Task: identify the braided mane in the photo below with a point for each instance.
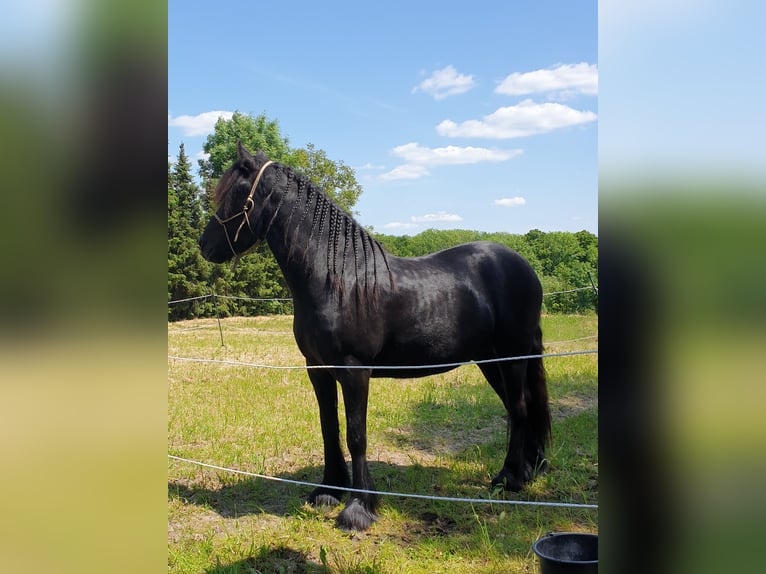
(317, 232)
(324, 238)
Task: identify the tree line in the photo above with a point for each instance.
(562, 260)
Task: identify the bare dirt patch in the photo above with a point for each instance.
(572, 404)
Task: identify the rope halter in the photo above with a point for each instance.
(249, 204)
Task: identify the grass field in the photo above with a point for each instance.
(442, 435)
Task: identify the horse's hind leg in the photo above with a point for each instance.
(507, 379)
(538, 412)
(335, 470)
(491, 372)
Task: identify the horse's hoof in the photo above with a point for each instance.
(355, 517)
(508, 481)
(324, 500)
(325, 497)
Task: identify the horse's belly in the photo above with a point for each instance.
(427, 356)
(410, 373)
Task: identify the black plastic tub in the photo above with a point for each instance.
(567, 553)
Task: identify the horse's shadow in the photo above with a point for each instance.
(244, 496)
(279, 559)
(253, 495)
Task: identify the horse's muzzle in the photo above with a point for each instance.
(210, 253)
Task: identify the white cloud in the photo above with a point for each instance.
(433, 217)
(420, 158)
(578, 78)
(406, 171)
(524, 119)
(369, 166)
(452, 155)
(511, 201)
(444, 83)
(199, 125)
(399, 225)
(419, 220)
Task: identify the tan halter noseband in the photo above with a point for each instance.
(249, 204)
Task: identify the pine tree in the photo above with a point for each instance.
(188, 272)
(188, 192)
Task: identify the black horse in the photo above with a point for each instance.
(357, 305)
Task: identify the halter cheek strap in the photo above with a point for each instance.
(249, 204)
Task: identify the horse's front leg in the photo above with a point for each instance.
(359, 513)
(335, 470)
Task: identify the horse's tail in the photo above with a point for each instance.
(538, 411)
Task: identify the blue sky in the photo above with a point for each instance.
(480, 115)
(683, 88)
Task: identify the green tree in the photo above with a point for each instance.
(187, 192)
(261, 134)
(335, 178)
(256, 134)
(588, 247)
(557, 248)
(568, 261)
(187, 269)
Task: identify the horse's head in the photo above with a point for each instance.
(235, 227)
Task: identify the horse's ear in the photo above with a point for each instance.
(242, 153)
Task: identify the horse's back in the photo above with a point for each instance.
(453, 305)
(481, 265)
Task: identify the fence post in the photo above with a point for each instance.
(218, 313)
(595, 289)
(592, 284)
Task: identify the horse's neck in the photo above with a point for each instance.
(290, 234)
(313, 240)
